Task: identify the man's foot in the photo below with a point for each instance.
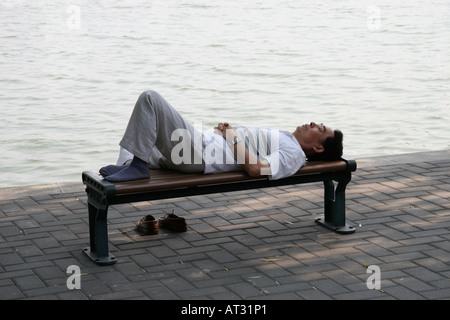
(138, 169)
(111, 169)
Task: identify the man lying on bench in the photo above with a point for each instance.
(158, 137)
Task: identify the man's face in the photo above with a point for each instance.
(313, 135)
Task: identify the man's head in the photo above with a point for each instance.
(319, 142)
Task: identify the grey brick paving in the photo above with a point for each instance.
(258, 244)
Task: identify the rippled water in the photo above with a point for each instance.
(71, 71)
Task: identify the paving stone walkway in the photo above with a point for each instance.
(251, 245)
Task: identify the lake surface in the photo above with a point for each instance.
(71, 71)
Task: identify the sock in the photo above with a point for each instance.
(138, 169)
(111, 169)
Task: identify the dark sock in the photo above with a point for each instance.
(138, 169)
(111, 169)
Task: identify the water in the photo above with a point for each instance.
(71, 71)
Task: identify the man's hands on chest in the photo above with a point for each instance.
(245, 158)
(225, 130)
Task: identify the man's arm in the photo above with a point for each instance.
(243, 156)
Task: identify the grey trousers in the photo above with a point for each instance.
(158, 134)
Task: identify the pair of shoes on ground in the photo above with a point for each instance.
(148, 224)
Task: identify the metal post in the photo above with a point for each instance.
(334, 203)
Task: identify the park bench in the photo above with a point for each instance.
(169, 184)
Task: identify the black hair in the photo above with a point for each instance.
(333, 148)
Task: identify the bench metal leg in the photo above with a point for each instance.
(98, 233)
(334, 202)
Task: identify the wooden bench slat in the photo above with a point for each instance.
(162, 179)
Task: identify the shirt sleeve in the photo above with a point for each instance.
(285, 162)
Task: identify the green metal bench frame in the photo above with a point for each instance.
(168, 184)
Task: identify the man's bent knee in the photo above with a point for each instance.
(149, 94)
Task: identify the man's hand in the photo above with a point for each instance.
(247, 160)
(222, 128)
